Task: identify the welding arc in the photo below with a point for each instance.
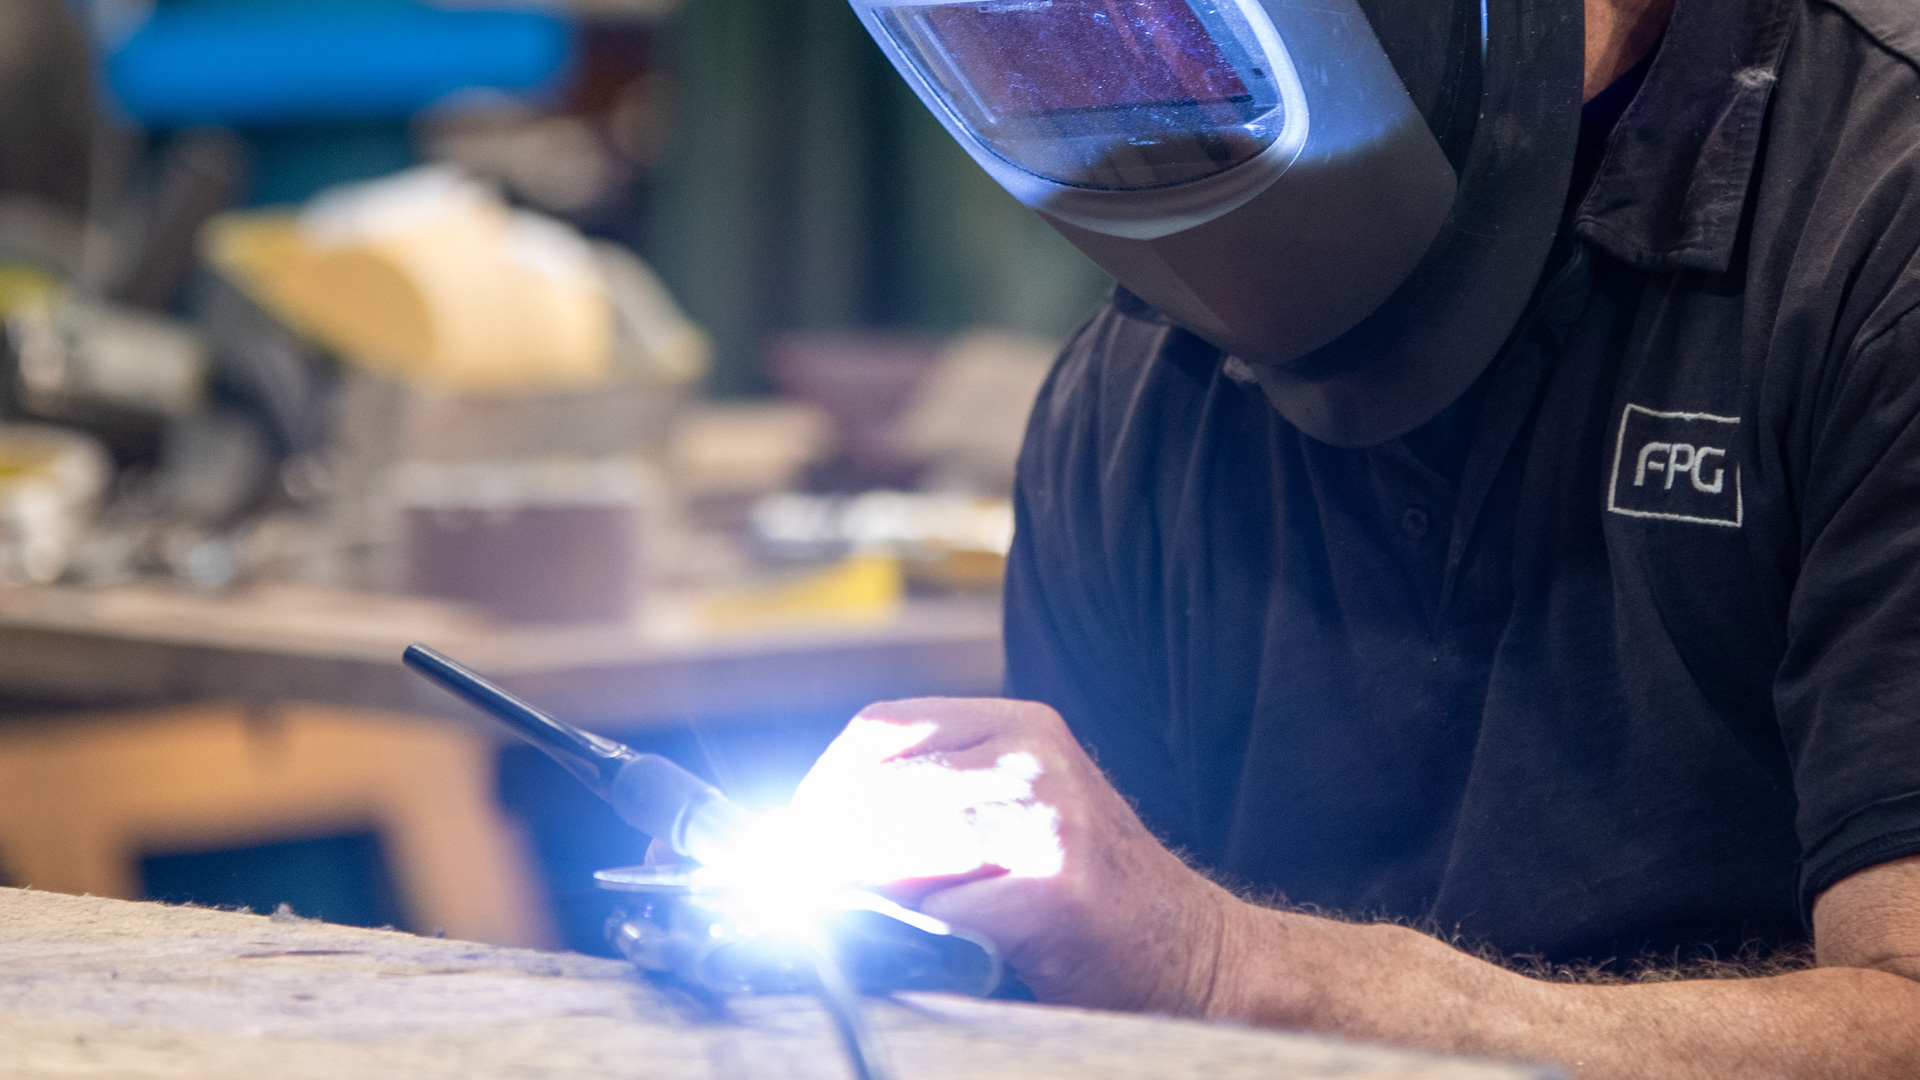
(648, 791)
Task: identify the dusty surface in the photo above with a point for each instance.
(106, 988)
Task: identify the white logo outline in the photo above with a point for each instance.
(1619, 451)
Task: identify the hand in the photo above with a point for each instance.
(992, 815)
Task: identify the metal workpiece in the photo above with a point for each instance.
(855, 942)
(710, 937)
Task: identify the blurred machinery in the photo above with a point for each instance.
(51, 480)
(530, 541)
(437, 380)
(255, 354)
(505, 380)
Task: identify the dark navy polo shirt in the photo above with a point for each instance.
(1640, 672)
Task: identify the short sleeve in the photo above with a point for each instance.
(1848, 689)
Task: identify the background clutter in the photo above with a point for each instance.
(597, 325)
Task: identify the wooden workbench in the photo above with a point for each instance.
(93, 988)
(284, 713)
(149, 646)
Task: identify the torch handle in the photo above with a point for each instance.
(649, 792)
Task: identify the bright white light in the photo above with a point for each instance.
(867, 816)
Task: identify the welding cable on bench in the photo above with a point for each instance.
(843, 1005)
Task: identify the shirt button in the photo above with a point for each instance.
(1414, 522)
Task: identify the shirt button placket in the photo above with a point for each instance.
(1415, 522)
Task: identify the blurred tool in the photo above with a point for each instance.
(201, 172)
(912, 413)
(27, 288)
(46, 103)
(554, 540)
(117, 373)
(559, 164)
(429, 276)
(499, 374)
(745, 449)
(653, 340)
(861, 382)
(51, 481)
(907, 523)
(955, 543)
(965, 421)
(72, 355)
(288, 382)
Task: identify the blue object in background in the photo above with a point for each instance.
(342, 879)
(251, 64)
(292, 163)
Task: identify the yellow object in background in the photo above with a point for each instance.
(860, 590)
(25, 289)
(428, 276)
(959, 570)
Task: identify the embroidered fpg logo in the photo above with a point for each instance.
(1676, 466)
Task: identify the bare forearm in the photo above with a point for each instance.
(1394, 985)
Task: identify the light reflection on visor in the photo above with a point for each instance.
(1112, 94)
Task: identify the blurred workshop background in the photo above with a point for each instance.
(662, 358)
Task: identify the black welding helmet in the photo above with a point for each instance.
(1355, 197)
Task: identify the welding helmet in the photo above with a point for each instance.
(1354, 197)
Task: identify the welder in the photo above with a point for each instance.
(1467, 582)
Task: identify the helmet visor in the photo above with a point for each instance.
(1108, 94)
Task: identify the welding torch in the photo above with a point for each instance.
(872, 943)
(649, 792)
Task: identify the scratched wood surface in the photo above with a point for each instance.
(93, 988)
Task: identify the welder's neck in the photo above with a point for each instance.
(1620, 34)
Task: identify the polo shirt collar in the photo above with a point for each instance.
(1672, 188)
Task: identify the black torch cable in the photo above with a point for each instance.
(844, 1006)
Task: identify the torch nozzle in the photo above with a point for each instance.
(650, 792)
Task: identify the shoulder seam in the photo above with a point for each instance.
(1881, 35)
(1886, 331)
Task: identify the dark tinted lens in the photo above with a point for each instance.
(1099, 93)
(1042, 59)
